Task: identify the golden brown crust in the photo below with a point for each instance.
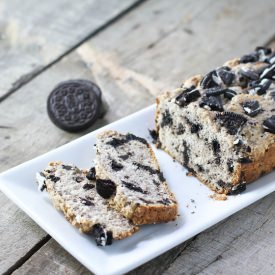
(262, 164)
(147, 214)
(232, 63)
(192, 81)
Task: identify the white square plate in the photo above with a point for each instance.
(152, 240)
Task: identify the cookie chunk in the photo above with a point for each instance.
(74, 105)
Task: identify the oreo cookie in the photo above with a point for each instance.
(233, 122)
(209, 80)
(252, 57)
(188, 95)
(252, 108)
(213, 103)
(269, 125)
(74, 105)
(225, 75)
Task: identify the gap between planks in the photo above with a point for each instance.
(23, 80)
(22, 260)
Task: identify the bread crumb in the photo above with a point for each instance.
(189, 174)
(218, 197)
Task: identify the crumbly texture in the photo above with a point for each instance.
(221, 126)
(218, 197)
(141, 192)
(73, 194)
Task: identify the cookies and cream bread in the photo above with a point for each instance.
(221, 126)
(73, 192)
(128, 175)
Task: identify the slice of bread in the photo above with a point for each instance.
(74, 194)
(128, 175)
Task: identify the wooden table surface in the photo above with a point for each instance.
(133, 50)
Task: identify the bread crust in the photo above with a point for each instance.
(146, 214)
(262, 164)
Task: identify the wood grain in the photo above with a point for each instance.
(169, 41)
(149, 50)
(53, 260)
(18, 232)
(35, 34)
(242, 244)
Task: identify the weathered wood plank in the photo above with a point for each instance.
(148, 51)
(18, 234)
(34, 34)
(170, 41)
(242, 244)
(53, 260)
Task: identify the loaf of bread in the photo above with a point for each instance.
(128, 175)
(221, 126)
(75, 195)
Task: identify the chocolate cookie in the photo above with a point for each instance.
(74, 105)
